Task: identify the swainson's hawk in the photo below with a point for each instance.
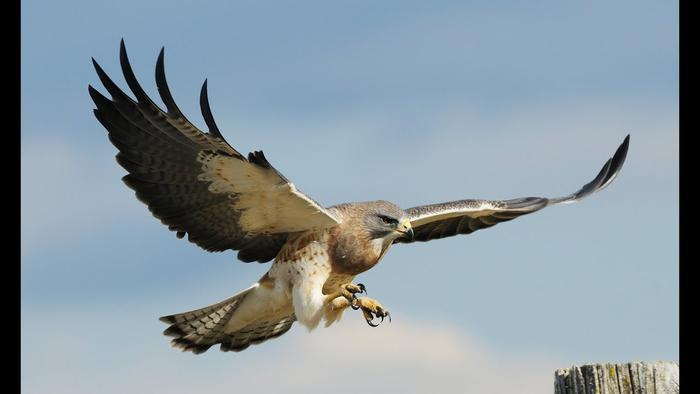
(201, 187)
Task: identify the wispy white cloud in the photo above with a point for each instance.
(409, 357)
(406, 356)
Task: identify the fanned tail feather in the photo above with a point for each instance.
(198, 330)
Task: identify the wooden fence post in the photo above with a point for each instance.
(629, 378)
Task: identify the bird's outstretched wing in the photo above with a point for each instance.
(466, 216)
(195, 182)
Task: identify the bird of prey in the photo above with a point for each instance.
(201, 187)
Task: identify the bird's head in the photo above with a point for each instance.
(387, 221)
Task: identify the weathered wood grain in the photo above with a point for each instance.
(629, 378)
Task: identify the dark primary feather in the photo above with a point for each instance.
(159, 150)
(466, 216)
(206, 112)
(163, 88)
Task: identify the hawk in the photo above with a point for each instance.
(201, 187)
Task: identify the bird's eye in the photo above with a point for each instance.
(388, 220)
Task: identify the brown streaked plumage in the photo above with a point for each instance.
(198, 185)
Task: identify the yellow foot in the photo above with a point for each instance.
(371, 309)
(349, 291)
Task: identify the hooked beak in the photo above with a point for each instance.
(406, 230)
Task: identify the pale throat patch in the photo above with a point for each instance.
(381, 245)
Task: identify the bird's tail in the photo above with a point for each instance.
(235, 323)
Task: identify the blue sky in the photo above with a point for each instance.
(413, 102)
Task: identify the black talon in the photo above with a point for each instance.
(370, 323)
(354, 306)
(362, 287)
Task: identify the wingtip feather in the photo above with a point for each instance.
(164, 89)
(606, 175)
(107, 82)
(130, 77)
(167, 319)
(206, 111)
(616, 162)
